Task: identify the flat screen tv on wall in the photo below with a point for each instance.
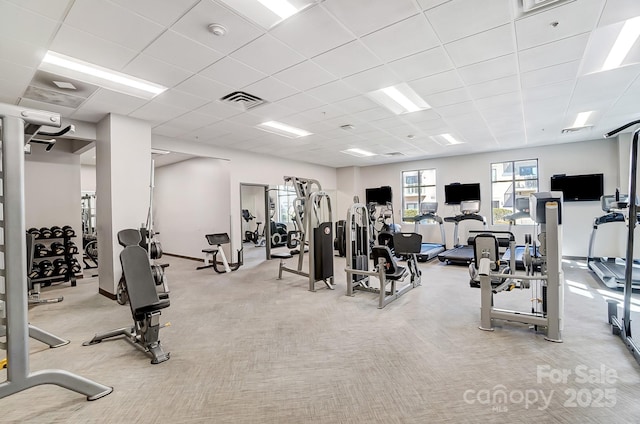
(379, 196)
(579, 188)
(456, 193)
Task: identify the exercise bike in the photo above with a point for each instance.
(254, 236)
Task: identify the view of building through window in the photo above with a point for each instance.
(417, 187)
(511, 183)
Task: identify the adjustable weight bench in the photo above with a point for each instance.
(217, 240)
(145, 305)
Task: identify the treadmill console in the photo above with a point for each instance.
(468, 207)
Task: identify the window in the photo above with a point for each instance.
(511, 181)
(417, 187)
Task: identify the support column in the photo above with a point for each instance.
(123, 170)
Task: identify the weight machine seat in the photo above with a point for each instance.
(392, 271)
(129, 237)
(217, 239)
(141, 286)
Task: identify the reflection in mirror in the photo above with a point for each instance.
(89, 237)
(254, 213)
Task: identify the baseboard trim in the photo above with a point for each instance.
(107, 294)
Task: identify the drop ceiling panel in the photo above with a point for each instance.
(488, 70)
(53, 9)
(181, 99)
(573, 18)
(347, 59)
(270, 89)
(421, 116)
(333, 91)
(365, 16)
(299, 102)
(428, 4)
(457, 109)
(218, 109)
(372, 79)
(304, 76)
(444, 81)
(157, 113)
(506, 101)
(162, 12)
(232, 73)
(191, 121)
(11, 71)
(483, 46)
(13, 25)
(267, 54)
(462, 18)
(450, 97)
(92, 49)
(560, 89)
(554, 53)
(494, 87)
(312, 32)
(194, 25)
(20, 53)
(550, 75)
(619, 10)
(97, 17)
(182, 52)
(11, 90)
(415, 31)
(355, 104)
(154, 70)
(204, 87)
(422, 64)
(168, 130)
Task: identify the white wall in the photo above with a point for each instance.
(598, 156)
(245, 167)
(191, 199)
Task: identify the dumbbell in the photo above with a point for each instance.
(34, 231)
(46, 268)
(34, 272)
(72, 248)
(68, 231)
(57, 248)
(40, 250)
(60, 267)
(57, 231)
(45, 232)
(75, 266)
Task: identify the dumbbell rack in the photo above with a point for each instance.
(35, 284)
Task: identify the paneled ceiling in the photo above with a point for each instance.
(496, 77)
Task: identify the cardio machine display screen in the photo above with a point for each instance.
(579, 188)
(456, 193)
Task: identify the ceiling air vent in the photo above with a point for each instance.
(241, 100)
(531, 5)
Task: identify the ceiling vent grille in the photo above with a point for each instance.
(241, 100)
(524, 7)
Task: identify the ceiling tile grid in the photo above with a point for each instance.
(492, 75)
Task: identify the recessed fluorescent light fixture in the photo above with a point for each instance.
(626, 39)
(272, 12)
(581, 119)
(284, 130)
(448, 138)
(358, 153)
(70, 67)
(399, 99)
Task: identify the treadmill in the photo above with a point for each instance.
(611, 270)
(462, 254)
(428, 213)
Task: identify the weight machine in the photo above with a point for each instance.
(546, 210)
(314, 223)
(19, 127)
(386, 270)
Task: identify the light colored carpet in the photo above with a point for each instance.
(248, 348)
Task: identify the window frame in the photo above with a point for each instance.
(512, 178)
(419, 189)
